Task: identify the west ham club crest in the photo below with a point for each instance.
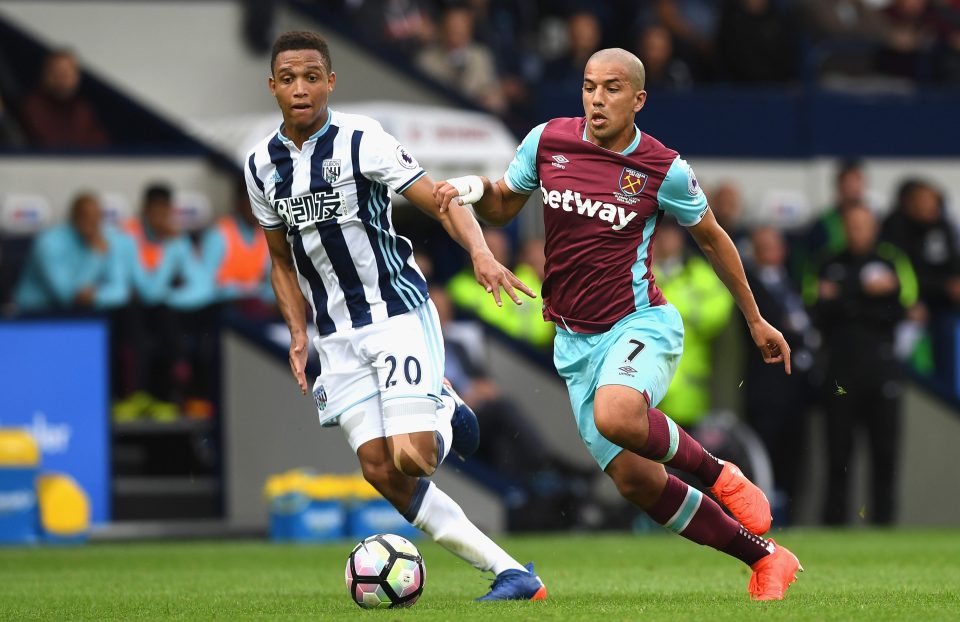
(632, 182)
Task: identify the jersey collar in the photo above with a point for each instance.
(630, 148)
(314, 136)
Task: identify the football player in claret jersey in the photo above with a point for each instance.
(319, 187)
(605, 187)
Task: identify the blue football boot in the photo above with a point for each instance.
(466, 428)
(516, 585)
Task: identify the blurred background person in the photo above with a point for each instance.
(862, 293)
(457, 60)
(910, 51)
(236, 260)
(56, 114)
(693, 26)
(584, 35)
(726, 203)
(688, 281)
(848, 33)
(920, 225)
(78, 266)
(663, 68)
(777, 405)
(825, 235)
(523, 322)
(169, 283)
(403, 25)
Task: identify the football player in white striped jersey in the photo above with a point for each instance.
(319, 186)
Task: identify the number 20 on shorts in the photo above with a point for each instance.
(411, 371)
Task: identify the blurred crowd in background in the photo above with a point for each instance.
(868, 292)
(505, 55)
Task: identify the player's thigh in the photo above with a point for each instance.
(576, 360)
(346, 380)
(407, 355)
(362, 423)
(642, 352)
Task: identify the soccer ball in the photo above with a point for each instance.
(385, 571)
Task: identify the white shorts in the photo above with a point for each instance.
(382, 379)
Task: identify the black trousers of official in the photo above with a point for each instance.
(777, 406)
(864, 396)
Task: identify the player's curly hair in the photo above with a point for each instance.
(301, 40)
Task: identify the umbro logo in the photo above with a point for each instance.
(626, 370)
(559, 161)
(276, 178)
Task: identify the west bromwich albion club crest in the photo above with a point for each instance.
(331, 170)
(320, 395)
(632, 182)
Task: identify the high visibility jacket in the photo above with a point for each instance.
(244, 263)
(150, 252)
(705, 306)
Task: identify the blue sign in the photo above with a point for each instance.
(54, 379)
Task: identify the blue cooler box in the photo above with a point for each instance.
(306, 508)
(19, 460)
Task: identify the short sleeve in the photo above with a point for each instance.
(681, 195)
(383, 159)
(262, 209)
(521, 175)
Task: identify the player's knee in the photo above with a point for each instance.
(610, 425)
(415, 463)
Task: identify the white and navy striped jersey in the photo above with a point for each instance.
(332, 198)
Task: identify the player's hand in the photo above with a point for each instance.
(771, 343)
(492, 275)
(464, 190)
(298, 360)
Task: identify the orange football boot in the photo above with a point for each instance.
(743, 498)
(773, 574)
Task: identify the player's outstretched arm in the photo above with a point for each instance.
(494, 203)
(283, 277)
(464, 228)
(723, 256)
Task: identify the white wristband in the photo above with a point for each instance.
(470, 188)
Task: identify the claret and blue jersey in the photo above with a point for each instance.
(332, 198)
(601, 210)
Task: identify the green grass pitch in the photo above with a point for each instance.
(850, 575)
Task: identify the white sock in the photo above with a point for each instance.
(443, 428)
(445, 522)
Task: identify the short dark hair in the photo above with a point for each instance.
(157, 192)
(301, 40)
(847, 166)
